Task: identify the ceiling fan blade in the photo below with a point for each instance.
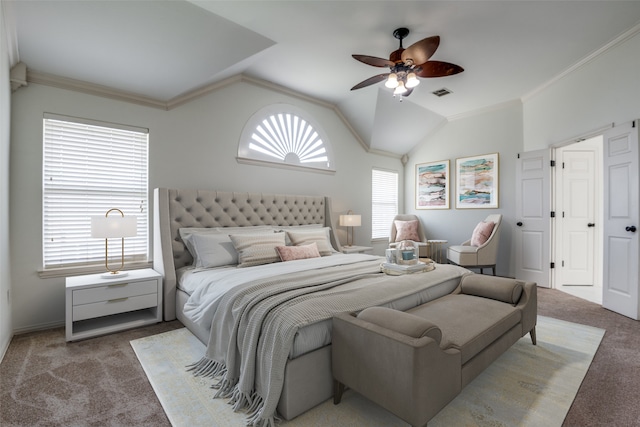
(421, 51)
(372, 60)
(438, 69)
(370, 81)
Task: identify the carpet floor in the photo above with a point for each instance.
(528, 385)
(99, 382)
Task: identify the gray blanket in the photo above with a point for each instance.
(255, 324)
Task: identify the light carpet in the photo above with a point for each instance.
(527, 386)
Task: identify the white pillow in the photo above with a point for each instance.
(306, 227)
(212, 247)
(320, 237)
(257, 249)
(186, 231)
(211, 250)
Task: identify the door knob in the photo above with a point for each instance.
(519, 223)
(631, 228)
(591, 224)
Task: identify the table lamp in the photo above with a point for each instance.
(350, 220)
(114, 226)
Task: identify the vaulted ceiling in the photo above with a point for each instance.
(164, 50)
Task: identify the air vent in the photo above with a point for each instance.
(441, 92)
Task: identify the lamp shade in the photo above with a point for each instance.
(412, 80)
(106, 227)
(350, 220)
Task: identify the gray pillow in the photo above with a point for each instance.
(257, 249)
(319, 236)
(212, 247)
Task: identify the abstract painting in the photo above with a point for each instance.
(432, 185)
(477, 182)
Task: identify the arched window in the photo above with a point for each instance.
(285, 136)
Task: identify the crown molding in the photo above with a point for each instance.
(483, 110)
(107, 92)
(92, 89)
(632, 32)
(202, 91)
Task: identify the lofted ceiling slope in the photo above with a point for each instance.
(165, 50)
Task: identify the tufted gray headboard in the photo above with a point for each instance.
(175, 209)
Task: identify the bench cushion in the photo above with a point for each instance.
(401, 322)
(468, 323)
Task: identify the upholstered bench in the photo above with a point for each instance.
(413, 363)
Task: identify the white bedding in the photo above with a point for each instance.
(207, 286)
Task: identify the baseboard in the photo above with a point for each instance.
(38, 327)
(5, 347)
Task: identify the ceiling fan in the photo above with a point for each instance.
(406, 65)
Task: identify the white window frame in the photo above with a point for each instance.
(90, 167)
(285, 136)
(384, 201)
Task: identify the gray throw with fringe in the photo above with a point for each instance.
(254, 326)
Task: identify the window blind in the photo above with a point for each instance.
(89, 168)
(384, 202)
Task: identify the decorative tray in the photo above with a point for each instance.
(396, 269)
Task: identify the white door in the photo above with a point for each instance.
(533, 217)
(622, 215)
(577, 217)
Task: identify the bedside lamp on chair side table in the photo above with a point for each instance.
(350, 220)
(106, 227)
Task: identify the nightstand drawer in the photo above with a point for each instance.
(114, 306)
(114, 291)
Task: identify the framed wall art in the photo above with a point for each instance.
(477, 182)
(432, 185)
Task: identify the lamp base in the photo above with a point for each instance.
(116, 275)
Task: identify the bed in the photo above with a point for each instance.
(306, 379)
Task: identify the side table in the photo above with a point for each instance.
(436, 249)
(97, 306)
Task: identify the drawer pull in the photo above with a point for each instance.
(118, 300)
(117, 285)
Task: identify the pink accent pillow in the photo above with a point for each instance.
(407, 230)
(481, 233)
(290, 253)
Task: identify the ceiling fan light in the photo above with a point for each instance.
(392, 81)
(412, 80)
(400, 89)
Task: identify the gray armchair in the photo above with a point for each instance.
(482, 256)
(421, 242)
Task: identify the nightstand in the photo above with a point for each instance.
(97, 306)
(356, 249)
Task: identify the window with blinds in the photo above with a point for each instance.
(384, 202)
(88, 168)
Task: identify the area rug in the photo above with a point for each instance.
(527, 386)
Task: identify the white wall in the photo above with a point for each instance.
(490, 132)
(5, 119)
(601, 92)
(194, 145)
